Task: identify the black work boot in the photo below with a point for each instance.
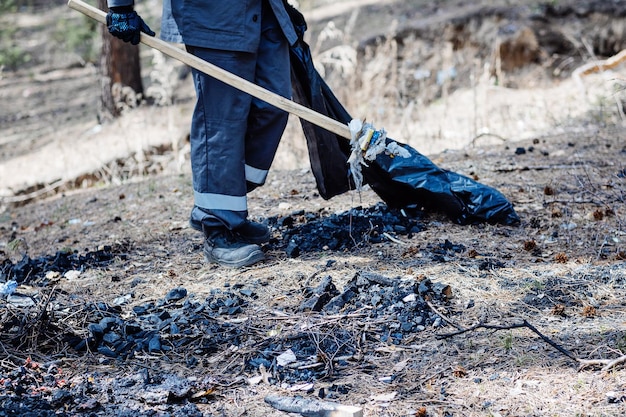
(249, 232)
(223, 247)
(253, 232)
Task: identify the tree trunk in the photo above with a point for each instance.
(120, 73)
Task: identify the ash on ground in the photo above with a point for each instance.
(303, 232)
(319, 339)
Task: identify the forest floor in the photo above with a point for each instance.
(118, 314)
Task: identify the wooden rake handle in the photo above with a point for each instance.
(233, 80)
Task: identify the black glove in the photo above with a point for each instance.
(124, 23)
(297, 19)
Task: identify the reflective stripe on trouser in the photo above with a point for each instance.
(234, 137)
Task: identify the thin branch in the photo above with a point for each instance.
(608, 363)
(473, 141)
(393, 239)
(523, 324)
(551, 342)
(538, 167)
(443, 317)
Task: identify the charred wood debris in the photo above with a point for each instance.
(322, 337)
(54, 324)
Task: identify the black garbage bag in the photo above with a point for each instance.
(417, 181)
(399, 181)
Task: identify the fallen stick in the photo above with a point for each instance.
(393, 239)
(312, 408)
(443, 316)
(600, 65)
(596, 67)
(608, 363)
(523, 324)
(539, 167)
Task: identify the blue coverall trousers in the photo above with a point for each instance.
(234, 137)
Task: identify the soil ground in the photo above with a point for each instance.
(556, 151)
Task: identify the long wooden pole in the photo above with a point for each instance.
(233, 80)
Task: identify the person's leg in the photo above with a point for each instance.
(219, 126)
(218, 131)
(267, 123)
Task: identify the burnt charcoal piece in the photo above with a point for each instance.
(292, 250)
(312, 232)
(176, 294)
(319, 296)
(33, 271)
(338, 302)
(107, 352)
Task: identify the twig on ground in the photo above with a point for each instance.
(312, 407)
(574, 202)
(281, 315)
(48, 188)
(9, 357)
(523, 324)
(443, 317)
(323, 355)
(608, 363)
(43, 318)
(537, 167)
(393, 239)
(431, 376)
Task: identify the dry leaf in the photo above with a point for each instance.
(589, 312)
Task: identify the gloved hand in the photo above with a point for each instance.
(124, 23)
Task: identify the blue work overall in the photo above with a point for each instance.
(234, 136)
